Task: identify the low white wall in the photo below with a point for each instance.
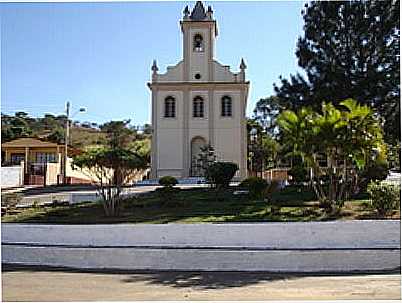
(52, 172)
(72, 198)
(11, 176)
(205, 260)
(276, 247)
(295, 235)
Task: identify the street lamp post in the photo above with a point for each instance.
(67, 138)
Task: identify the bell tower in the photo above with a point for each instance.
(199, 33)
(197, 102)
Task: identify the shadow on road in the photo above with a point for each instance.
(206, 280)
(201, 280)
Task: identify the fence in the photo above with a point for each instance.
(277, 174)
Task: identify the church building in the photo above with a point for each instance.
(197, 102)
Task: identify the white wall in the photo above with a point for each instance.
(275, 247)
(228, 129)
(294, 235)
(11, 176)
(173, 73)
(170, 135)
(222, 73)
(199, 60)
(198, 126)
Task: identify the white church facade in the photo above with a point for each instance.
(197, 102)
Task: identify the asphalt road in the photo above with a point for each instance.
(45, 284)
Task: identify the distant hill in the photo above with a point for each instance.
(52, 128)
(82, 137)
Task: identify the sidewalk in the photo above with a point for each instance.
(33, 284)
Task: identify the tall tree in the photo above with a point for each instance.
(118, 133)
(113, 165)
(110, 169)
(350, 49)
(13, 127)
(266, 111)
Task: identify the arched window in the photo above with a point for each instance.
(226, 106)
(170, 107)
(198, 43)
(198, 107)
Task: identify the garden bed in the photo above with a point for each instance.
(202, 206)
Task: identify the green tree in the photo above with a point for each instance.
(57, 135)
(346, 138)
(147, 129)
(266, 111)
(271, 151)
(118, 133)
(264, 149)
(112, 166)
(394, 156)
(142, 147)
(350, 49)
(205, 158)
(13, 127)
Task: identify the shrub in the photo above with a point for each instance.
(255, 185)
(167, 195)
(276, 210)
(167, 192)
(375, 171)
(384, 196)
(219, 174)
(298, 173)
(273, 187)
(10, 200)
(168, 181)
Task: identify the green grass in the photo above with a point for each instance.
(196, 206)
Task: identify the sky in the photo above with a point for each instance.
(99, 55)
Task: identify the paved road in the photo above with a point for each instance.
(33, 284)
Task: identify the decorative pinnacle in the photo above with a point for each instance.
(186, 11)
(209, 12)
(243, 65)
(198, 13)
(154, 67)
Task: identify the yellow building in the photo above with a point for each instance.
(40, 161)
(30, 161)
(31, 151)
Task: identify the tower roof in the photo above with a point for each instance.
(198, 13)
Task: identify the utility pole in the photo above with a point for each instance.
(66, 139)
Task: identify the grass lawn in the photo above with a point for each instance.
(199, 206)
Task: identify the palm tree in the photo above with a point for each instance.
(345, 138)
